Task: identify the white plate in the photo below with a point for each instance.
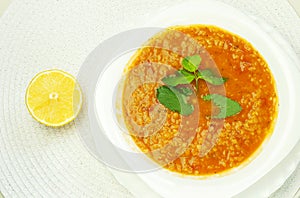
(106, 136)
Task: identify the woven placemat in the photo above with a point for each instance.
(37, 161)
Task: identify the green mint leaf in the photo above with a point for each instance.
(209, 77)
(178, 79)
(172, 99)
(185, 72)
(228, 107)
(191, 63)
(185, 91)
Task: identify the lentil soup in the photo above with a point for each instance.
(160, 132)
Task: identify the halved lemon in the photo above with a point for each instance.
(54, 98)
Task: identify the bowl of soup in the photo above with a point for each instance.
(206, 100)
(199, 142)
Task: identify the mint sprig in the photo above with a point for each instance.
(174, 96)
(190, 72)
(190, 68)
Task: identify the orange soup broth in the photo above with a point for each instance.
(250, 83)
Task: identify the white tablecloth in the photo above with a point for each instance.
(36, 161)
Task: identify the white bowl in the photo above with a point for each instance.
(107, 71)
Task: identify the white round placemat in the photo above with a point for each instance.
(37, 161)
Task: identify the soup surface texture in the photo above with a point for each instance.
(199, 144)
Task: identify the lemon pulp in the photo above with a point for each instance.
(54, 97)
